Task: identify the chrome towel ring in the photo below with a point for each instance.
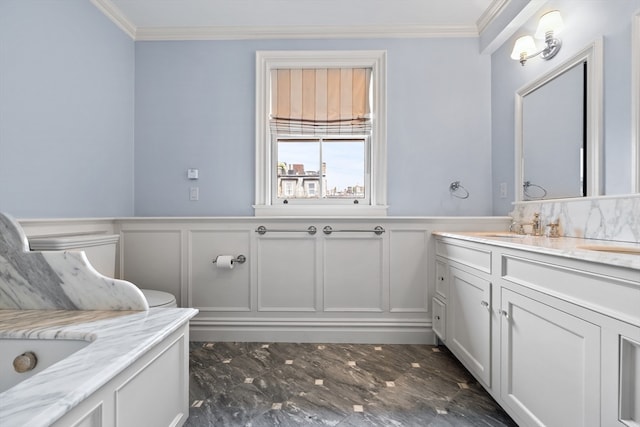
(457, 190)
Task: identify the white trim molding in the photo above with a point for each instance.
(302, 32)
(635, 103)
(112, 12)
(268, 60)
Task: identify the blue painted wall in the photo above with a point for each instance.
(195, 107)
(584, 21)
(66, 111)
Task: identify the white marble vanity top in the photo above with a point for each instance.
(118, 338)
(568, 247)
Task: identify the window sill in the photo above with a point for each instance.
(300, 210)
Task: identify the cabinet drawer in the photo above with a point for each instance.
(477, 258)
(439, 319)
(617, 298)
(442, 284)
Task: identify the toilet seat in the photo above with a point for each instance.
(159, 298)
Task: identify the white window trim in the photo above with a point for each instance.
(268, 60)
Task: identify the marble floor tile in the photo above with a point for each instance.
(316, 385)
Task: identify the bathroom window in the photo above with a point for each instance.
(321, 133)
(331, 168)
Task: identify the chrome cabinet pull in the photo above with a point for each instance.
(504, 313)
(485, 304)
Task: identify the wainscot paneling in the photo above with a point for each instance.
(153, 259)
(354, 278)
(346, 286)
(211, 288)
(287, 273)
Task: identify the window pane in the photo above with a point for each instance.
(298, 169)
(344, 168)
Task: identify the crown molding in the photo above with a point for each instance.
(494, 9)
(112, 12)
(303, 32)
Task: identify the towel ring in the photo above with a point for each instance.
(457, 190)
(525, 190)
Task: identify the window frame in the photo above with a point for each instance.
(268, 60)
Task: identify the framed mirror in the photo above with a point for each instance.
(558, 141)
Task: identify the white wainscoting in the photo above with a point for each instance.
(348, 286)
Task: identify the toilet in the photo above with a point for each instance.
(101, 253)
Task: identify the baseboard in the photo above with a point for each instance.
(316, 333)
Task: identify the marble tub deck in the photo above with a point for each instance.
(257, 384)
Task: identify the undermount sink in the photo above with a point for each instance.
(634, 250)
(500, 234)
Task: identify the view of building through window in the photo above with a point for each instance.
(321, 168)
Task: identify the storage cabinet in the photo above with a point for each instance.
(470, 334)
(555, 341)
(550, 364)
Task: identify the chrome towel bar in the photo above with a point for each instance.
(378, 230)
(263, 230)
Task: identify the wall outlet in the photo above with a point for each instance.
(194, 193)
(503, 190)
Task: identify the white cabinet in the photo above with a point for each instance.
(153, 391)
(550, 364)
(555, 341)
(439, 303)
(469, 322)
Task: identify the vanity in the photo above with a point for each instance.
(549, 326)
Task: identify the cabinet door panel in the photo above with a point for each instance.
(550, 364)
(469, 322)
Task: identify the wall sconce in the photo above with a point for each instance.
(550, 24)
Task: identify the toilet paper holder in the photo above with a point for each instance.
(239, 259)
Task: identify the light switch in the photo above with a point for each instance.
(192, 173)
(194, 193)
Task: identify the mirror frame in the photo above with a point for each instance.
(635, 104)
(593, 56)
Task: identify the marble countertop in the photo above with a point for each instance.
(118, 338)
(567, 247)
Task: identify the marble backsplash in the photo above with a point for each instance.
(56, 280)
(605, 218)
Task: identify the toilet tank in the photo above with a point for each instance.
(99, 248)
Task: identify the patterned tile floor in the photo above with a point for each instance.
(283, 384)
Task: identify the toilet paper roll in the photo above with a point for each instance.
(224, 262)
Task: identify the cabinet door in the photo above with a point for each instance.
(469, 322)
(550, 364)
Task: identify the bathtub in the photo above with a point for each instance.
(47, 351)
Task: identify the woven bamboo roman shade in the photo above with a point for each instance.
(320, 101)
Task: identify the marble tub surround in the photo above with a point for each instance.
(59, 280)
(118, 338)
(289, 384)
(605, 218)
(567, 247)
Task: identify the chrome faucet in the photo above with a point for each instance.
(536, 225)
